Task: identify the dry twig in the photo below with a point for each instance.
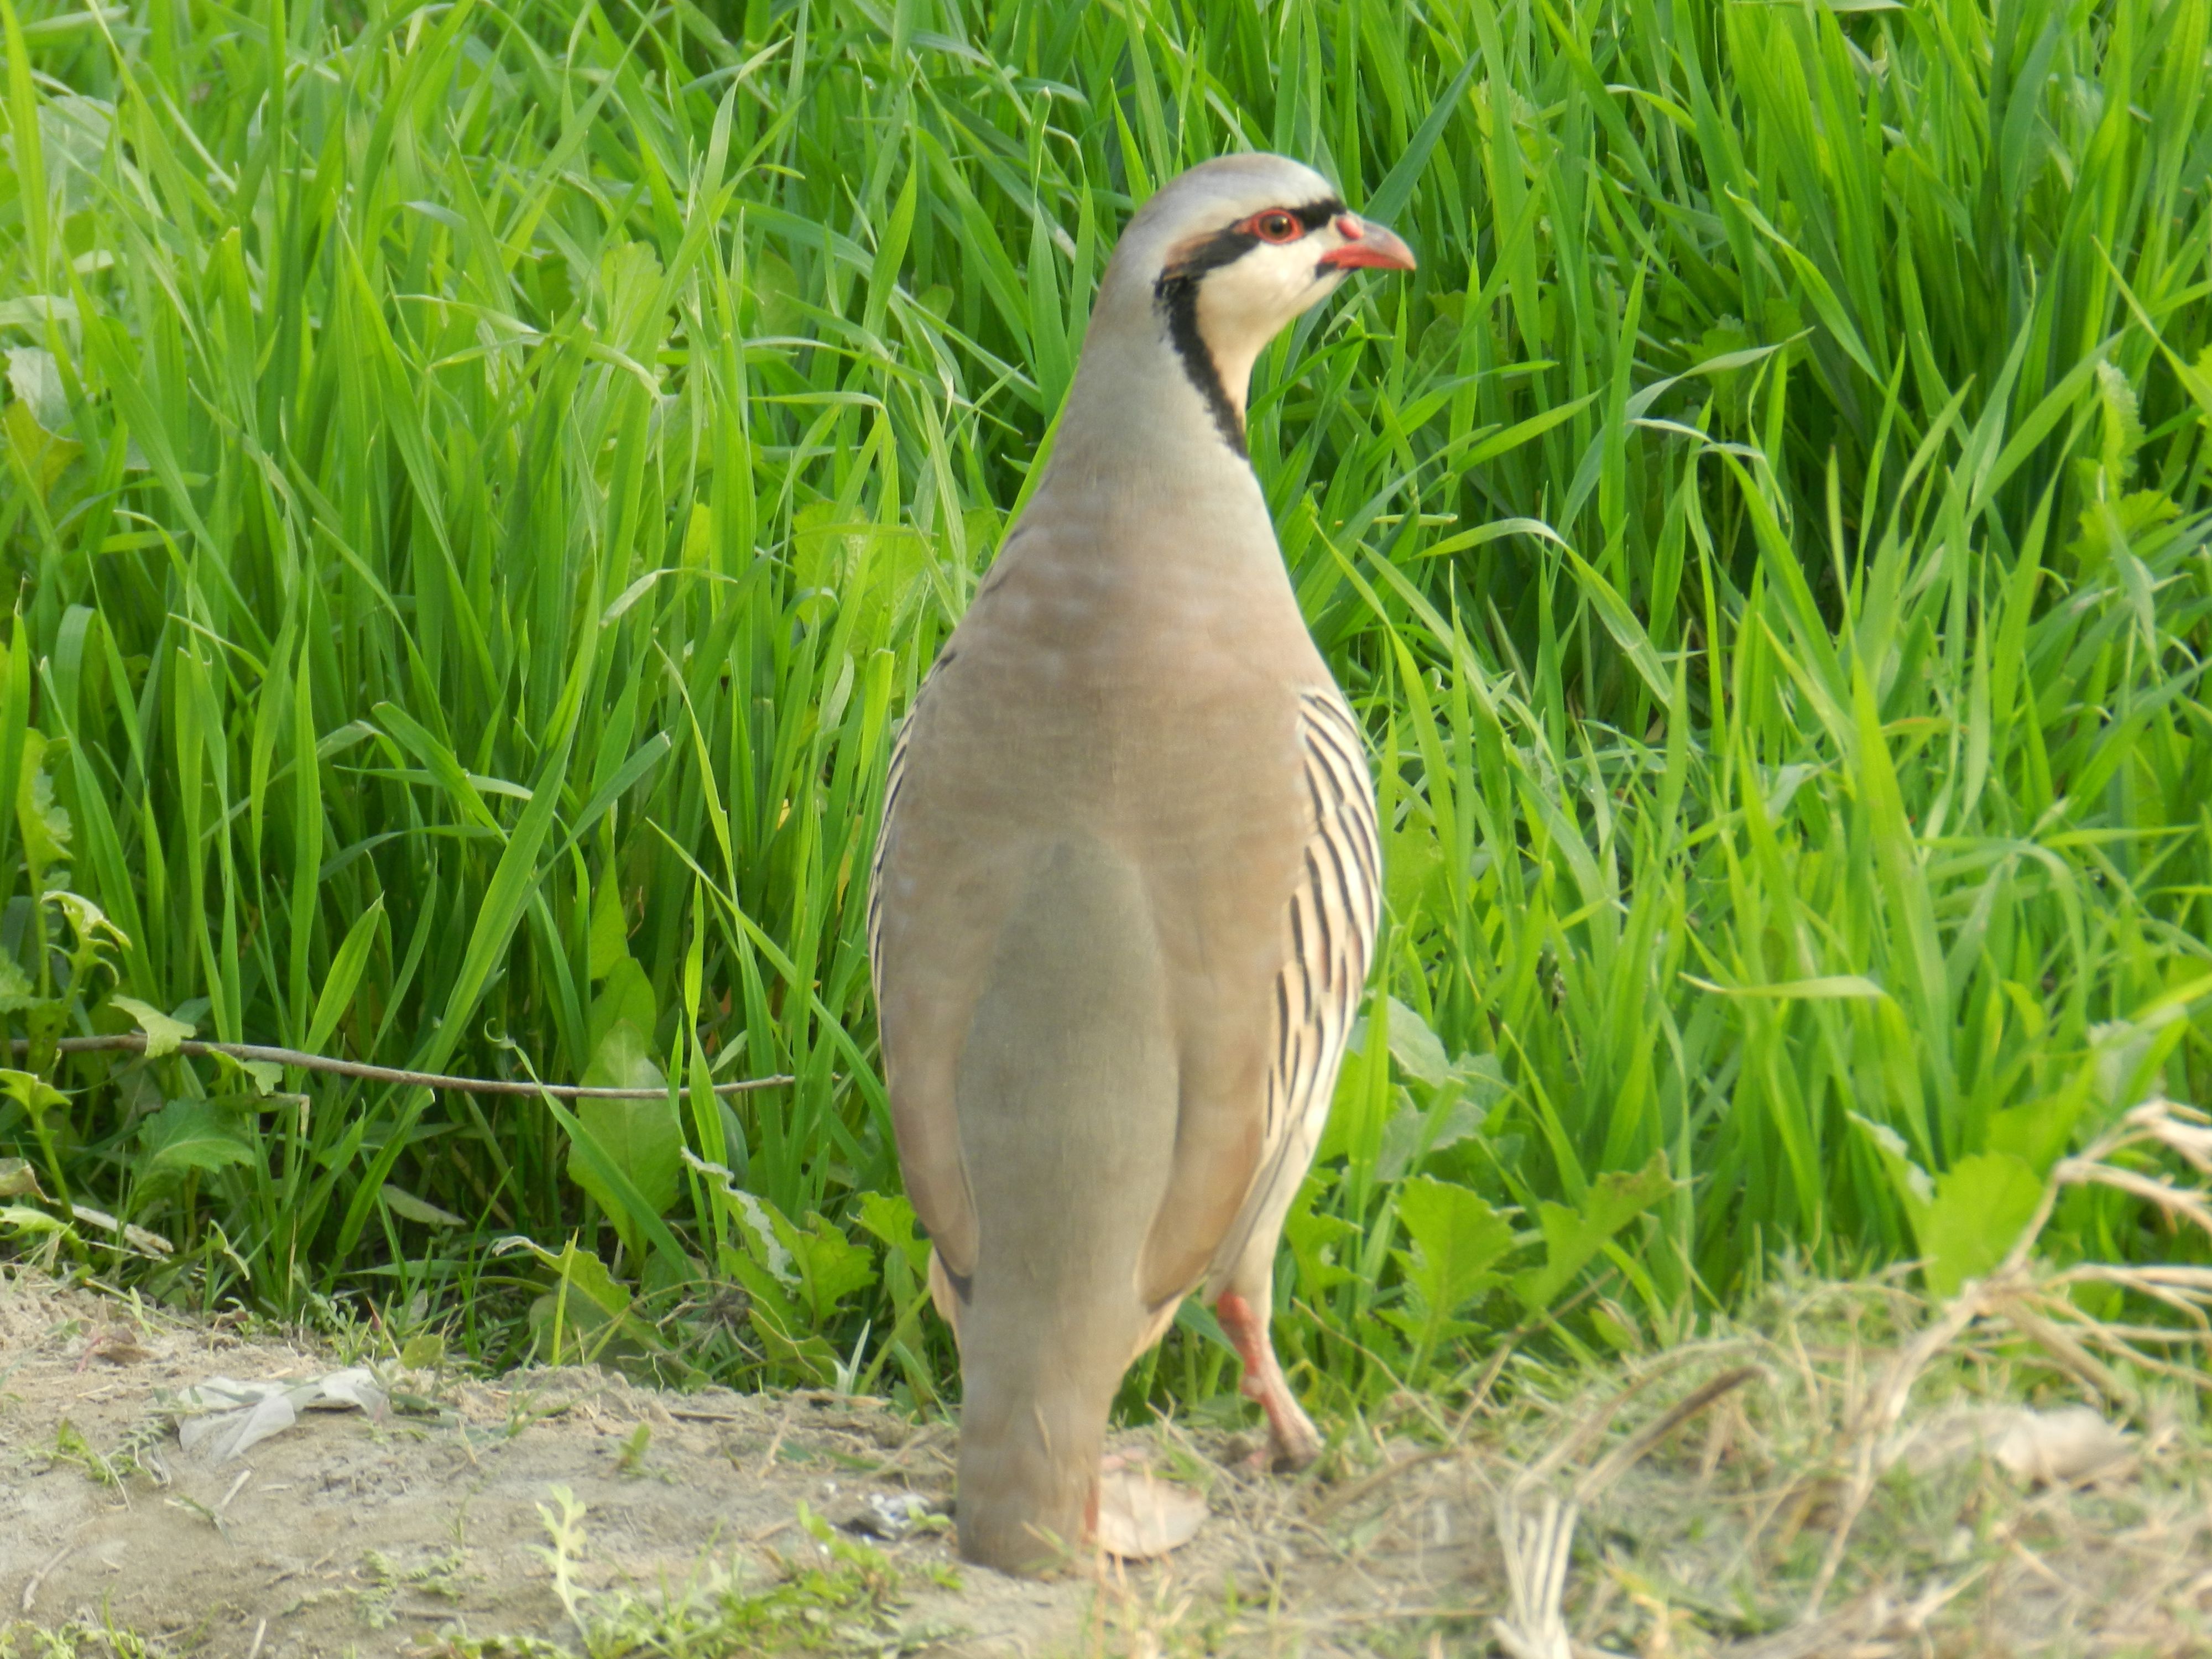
(134, 1042)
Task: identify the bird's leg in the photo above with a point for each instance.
(1292, 1441)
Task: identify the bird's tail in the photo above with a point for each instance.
(1067, 1101)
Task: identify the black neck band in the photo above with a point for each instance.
(1177, 297)
(1175, 293)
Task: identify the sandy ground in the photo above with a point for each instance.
(345, 1535)
(428, 1528)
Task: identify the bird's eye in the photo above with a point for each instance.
(1275, 226)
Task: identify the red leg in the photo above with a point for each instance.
(1293, 1443)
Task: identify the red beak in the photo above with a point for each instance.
(1367, 245)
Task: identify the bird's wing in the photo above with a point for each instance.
(1327, 936)
(894, 779)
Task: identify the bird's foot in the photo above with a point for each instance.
(1292, 1441)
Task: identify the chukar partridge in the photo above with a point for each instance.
(1127, 880)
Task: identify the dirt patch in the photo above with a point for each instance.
(380, 1534)
(571, 1508)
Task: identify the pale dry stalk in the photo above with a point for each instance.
(2013, 1289)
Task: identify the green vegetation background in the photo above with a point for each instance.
(485, 480)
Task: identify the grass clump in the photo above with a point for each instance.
(485, 483)
(78, 1638)
(834, 1595)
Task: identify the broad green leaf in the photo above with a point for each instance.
(586, 1311)
(34, 377)
(641, 1138)
(1573, 1237)
(1413, 867)
(626, 999)
(876, 570)
(1416, 1048)
(15, 989)
(263, 1074)
(1458, 1239)
(1319, 1244)
(1412, 1134)
(88, 922)
(1982, 1205)
(891, 1218)
(408, 1208)
(764, 1232)
(191, 1134)
(31, 1091)
(45, 825)
(830, 1266)
(610, 932)
(779, 1314)
(23, 1219)
(2039, 1132)
(41, 454)
(163, 1034)
(608, 1172)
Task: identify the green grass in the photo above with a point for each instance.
(486, 480)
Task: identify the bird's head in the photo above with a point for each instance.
(1226, 255)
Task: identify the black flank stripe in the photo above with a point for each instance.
(1336, 714)
(1313, 789)
(1361, 903)
(1359, 808)
(1344, 777)
(1320, 905)
(1364, 822)
(1344, 895)
(1350, 741)
(1333, 743)
(1363, 849)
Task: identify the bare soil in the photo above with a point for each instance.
(345, 1535)
(429, 1529)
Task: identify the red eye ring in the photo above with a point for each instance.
(1274, 225)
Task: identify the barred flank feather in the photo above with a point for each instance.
(1329, 926)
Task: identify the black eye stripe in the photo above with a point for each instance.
(1232, 242)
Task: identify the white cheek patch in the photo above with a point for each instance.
(1242, 304)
